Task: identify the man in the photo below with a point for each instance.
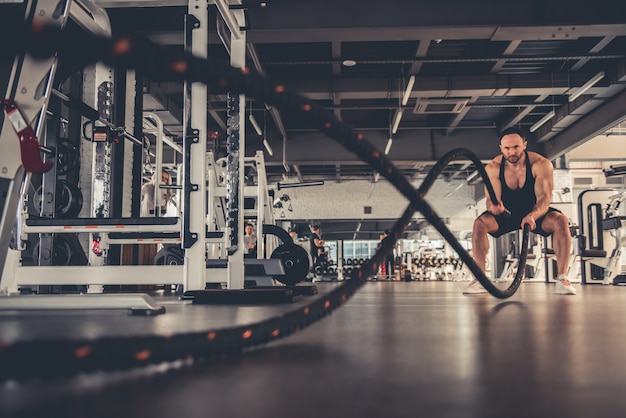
(294, 235)
(387, 267)
(317, 243)
(250, 241)
(148, 195)
(523, 182)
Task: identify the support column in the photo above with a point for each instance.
(194, 159)
(235, 177)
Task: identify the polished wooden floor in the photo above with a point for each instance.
(396, 349)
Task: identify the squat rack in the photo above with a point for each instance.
(194, 242)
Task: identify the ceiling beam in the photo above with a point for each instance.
(587, 127)
(441, 86)
(409, 147)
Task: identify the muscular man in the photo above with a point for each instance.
(523, 182)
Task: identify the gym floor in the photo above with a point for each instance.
(395, 349)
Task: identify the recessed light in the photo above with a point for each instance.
(348, 63)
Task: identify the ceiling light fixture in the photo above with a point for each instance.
(388, 147)
(457, 188)
(589, 84)
(301, 184)
(396, 121)
(408, 90)
(543, 120)
(255, 125)
(267, 146)
(472, 176)
(348, 63)
(247, 6)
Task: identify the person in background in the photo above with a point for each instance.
(148, 195)
(294, 235)
(388, 267)
(250, 241)
(317, 243)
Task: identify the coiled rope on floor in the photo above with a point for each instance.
(67, 357)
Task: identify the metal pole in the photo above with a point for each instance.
(235, 176)
(195, 133)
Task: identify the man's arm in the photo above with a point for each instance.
(493, 172)
(544, 183)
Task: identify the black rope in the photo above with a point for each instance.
(61, 357)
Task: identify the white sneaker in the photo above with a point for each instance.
(474, 288)
(564, 287)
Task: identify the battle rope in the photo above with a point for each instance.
(61, 357)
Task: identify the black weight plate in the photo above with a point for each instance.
(295, 261)
(170, 255)
(61, 252)
(38, 199)
(68, 200)
(68, 158)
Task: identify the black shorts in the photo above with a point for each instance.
(508, 223)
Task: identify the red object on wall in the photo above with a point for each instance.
(29, 145)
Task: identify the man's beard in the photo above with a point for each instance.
(513, 159)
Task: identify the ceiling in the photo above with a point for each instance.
(479, 67)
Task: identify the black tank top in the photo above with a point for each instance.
(519, 201)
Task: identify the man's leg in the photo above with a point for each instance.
(557, 224)
(483, 225)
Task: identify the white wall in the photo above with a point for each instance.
(612, 147)
(346, 200)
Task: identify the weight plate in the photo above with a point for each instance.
(61, 252)
(69, 200)
(170, 255)
(295, 261)
(68, 158)
(38, 199)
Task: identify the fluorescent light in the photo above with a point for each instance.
(255, 125)
(396, 121)
(267, 146)
(407, 92)
(589, 84)
(388, 147)
(471, 176)
(301, 184)
(543, 120)
(450, 193)
(247, 6)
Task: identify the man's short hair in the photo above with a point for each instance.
(512, 131)
(315, 226)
